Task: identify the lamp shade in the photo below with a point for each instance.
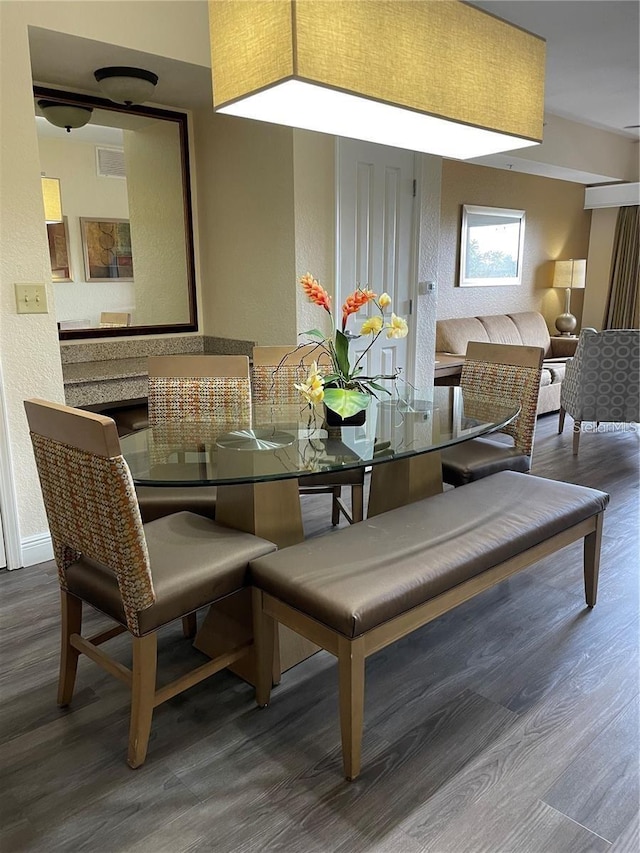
(52, 199)
(65, 115)
(436, 76)
(125, 85)
(571, 273)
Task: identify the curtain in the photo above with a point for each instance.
(624, 287)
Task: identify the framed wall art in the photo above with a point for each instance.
(59, 256)
(491, 246)
(106, 246)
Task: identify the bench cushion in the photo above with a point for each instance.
(359, 577)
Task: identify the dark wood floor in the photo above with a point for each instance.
(507, 726)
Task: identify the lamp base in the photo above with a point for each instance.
(566, 324)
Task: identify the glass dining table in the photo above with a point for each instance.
(259, 463)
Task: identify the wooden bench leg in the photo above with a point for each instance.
(351, 675)
(592, 543)
(71, 623)
(143, 694)
(264, 640)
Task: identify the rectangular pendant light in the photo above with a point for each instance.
(52, 199)
(436, 76)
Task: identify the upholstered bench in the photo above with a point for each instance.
(358, 589)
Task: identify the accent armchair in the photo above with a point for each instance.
(602, 381)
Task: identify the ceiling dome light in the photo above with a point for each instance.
(65, 115)
(124, 85)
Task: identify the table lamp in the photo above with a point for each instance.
(571, 275)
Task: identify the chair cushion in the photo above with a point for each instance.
(194, 561)
(361, 576)
(158, 501)
(479, 458)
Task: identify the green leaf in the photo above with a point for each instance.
(378, 387)
(344, 402)
(342, 354)
(314, 333)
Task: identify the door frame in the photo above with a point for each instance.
(8, 493)
(413, 260)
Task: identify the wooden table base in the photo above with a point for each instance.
(270, 510)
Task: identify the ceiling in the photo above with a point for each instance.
(593, 59)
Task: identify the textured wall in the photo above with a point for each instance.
(557, 227)
(156, 214)
(29, 349)
(430, 174)
(28, 342)
(247, 237)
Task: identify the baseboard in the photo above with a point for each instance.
(36, 549)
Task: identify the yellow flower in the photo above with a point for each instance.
(371, 326)
(384, 301)
(313, 389)
(397, 328)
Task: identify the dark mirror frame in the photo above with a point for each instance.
(165, 115)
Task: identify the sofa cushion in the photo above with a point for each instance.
(452, 336)
(501, 329)
(533, 330)
(545, 378)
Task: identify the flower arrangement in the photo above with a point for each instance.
(344, 389)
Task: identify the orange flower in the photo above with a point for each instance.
(355, 302)
(316, 292)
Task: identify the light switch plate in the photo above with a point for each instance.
(31, 299)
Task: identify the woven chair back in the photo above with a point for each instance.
(505, 373)
(90, 499)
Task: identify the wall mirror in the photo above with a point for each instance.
(126, 219)
(491, 246)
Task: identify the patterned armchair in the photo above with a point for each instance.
(602, 381)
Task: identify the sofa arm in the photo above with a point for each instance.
(563, 347)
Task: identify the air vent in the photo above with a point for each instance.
(110, 162)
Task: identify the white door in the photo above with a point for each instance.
(375, 243)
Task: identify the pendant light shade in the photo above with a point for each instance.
(124, 85)
(436, 76)
(65, 115)
(52, 200)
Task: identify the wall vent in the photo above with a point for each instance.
(110, 162)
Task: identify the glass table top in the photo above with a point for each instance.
(289, 441)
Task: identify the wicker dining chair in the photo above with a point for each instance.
(496, 372)
(274, 372)
(107, 558)
(193, 389)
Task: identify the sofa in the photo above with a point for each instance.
(527, 328)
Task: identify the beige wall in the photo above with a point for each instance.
(557, 227)
(314, 160)
(603, 226)
(84, 194)
(156, 214)
(245, 206)
(29, 351)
